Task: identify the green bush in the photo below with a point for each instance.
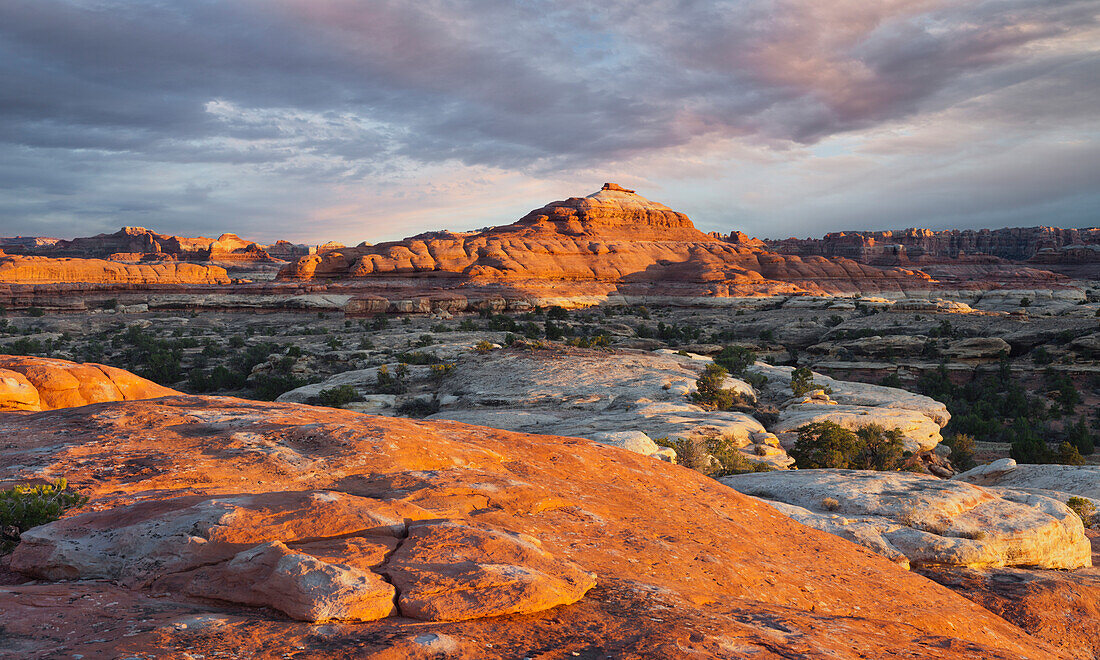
(802, 381)
(710, 393)
(830, 445)
(735, 359)
(962, 451)
(712, 455)
(1081, 437)
(1084, 509)
(24, 507)
(392, 383)
(338, 397)
(35, 311)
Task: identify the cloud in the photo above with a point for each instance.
(184, 110)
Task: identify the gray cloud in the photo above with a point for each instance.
(239, 98)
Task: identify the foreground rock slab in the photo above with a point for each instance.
(204, 508)
(918, 519)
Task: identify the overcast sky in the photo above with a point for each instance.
(315, 120)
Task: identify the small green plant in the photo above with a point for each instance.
(710, 393)
(1084, 509)
(802, 381)
(440, 371)
(35, 311)
(392, 383)
(1025, 302)
(483, 346)
(735, 359)
(24, 507)
(338, 397)
(962, 451)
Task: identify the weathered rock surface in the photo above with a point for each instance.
(921, 520)
(34, 383)
(1059, 607)
(1081, 480)
(315, 498)
(854, 405)
(48, 270)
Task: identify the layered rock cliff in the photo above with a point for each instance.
(47, 270)
(1047, 245)
(133, 244)
(612, 241)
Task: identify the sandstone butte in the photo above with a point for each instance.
(49, 270)
(612, 241)
(222, 527)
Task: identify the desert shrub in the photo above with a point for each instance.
(962, 451)
(767, 335)
(1068, 455)
(339, 396)
(35, 311)
(1084, 509)
(802, 381)
(392, 383)
(24, 507)
(710, 393)
(735, 359)
(483, 346)
(1027, 446)
(1080, 436)
(110, 303)
(830, 504)
(440, 371)
(834, 320)
(554, 331)
(418, 407)
(268, 387)
(830, 445)
(712, 455)
(756, 379)
(417, 357)
(556, 313)
(878, 448)
(1041, 356)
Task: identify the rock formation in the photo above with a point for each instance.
(613, 242)
(203, 508)
(47, 270)
(36, 383)
(1045, 245)
(918, 519)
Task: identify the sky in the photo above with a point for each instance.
(318, 120)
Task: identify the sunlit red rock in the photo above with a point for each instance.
(203, 508)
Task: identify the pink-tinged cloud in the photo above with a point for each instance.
(255, 115)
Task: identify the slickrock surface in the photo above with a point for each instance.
(1081, 480)
(34, 384)
(854, 405)
(918, 519)
(624, 398)
(204, 507)
(613, 242)
(47, 270)
(1059, 607)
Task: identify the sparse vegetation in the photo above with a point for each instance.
(24, 507)
(1084, 509)
(802, 381)
(338, 397)
(829, 445)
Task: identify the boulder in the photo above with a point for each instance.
(1080, 480)
(35, 383)
(917, 519)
